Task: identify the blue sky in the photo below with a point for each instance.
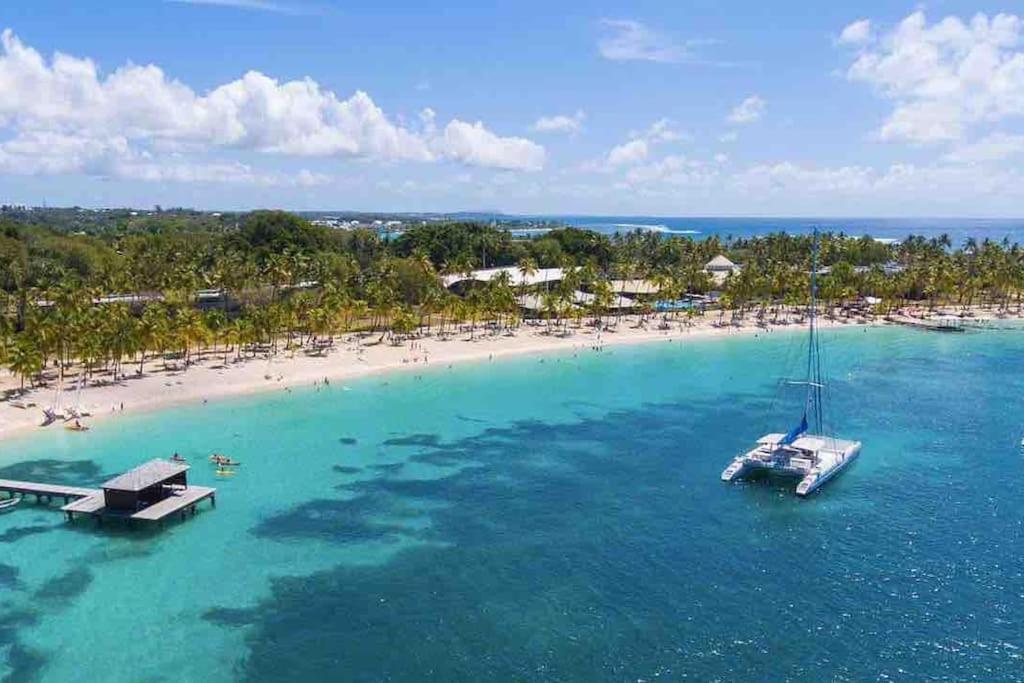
(656, 108)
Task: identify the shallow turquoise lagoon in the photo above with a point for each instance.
(555, 518)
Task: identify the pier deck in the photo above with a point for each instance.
(934, 325)
(182, 501)
(151, 492)
(47, 491)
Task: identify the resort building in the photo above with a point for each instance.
(532, 303)
(720, 268)
(541, 276)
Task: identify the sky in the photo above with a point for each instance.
(682, 108)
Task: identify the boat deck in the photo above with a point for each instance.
(815, 459)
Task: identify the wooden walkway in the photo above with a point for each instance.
(176, 497)
(182, 501)
(46, 491)
(940, 325)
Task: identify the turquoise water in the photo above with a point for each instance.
(556, 520)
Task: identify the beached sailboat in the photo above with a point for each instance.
(813, 457)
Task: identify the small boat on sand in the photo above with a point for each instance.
(77, 427)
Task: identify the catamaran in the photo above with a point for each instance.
(813, 457)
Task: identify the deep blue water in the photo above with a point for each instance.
(959, 229)
(556, 521)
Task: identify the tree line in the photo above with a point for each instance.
(278, 281)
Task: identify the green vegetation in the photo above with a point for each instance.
(239, 284)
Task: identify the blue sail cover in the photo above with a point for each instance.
(795, 432)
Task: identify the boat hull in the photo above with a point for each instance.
(813, 467)
(812, 483)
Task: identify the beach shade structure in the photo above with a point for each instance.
(634, 288)
(534, 303)
(616, 302)
(720, 268)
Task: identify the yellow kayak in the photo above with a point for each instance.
(225, 473)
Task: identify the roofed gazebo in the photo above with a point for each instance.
(145, 485)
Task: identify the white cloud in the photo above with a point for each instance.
(638, 148)
(560, 123)
(730, 136)
(57, 154)
(661, 131)
(947, 77)
(856, 33)
(747, 111)
(929, 184)
(790, 177)
(992, 148)
(627, 154)
(258, 5)
(674, 169)
(144, 111)
(49, 153)
(632, 41)
(218, 172)
(473, 144)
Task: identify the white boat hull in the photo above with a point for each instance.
(815, 460)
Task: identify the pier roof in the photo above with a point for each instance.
(146, 475)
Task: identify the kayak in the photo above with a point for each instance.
(225, 473)
(76, 428)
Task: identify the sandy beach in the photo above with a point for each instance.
(351, 356)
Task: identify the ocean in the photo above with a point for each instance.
(549, 518)
(959, 229)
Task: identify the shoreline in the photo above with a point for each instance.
(348, 358)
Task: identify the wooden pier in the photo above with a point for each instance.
(944, 324)
(151, 492)
(181, 501)
(45, 493)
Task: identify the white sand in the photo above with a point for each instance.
(209, 379)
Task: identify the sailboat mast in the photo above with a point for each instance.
(813, 376)
(813, 356)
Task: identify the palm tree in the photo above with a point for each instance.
(152, 332)
(25, 361)
(603, 299)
